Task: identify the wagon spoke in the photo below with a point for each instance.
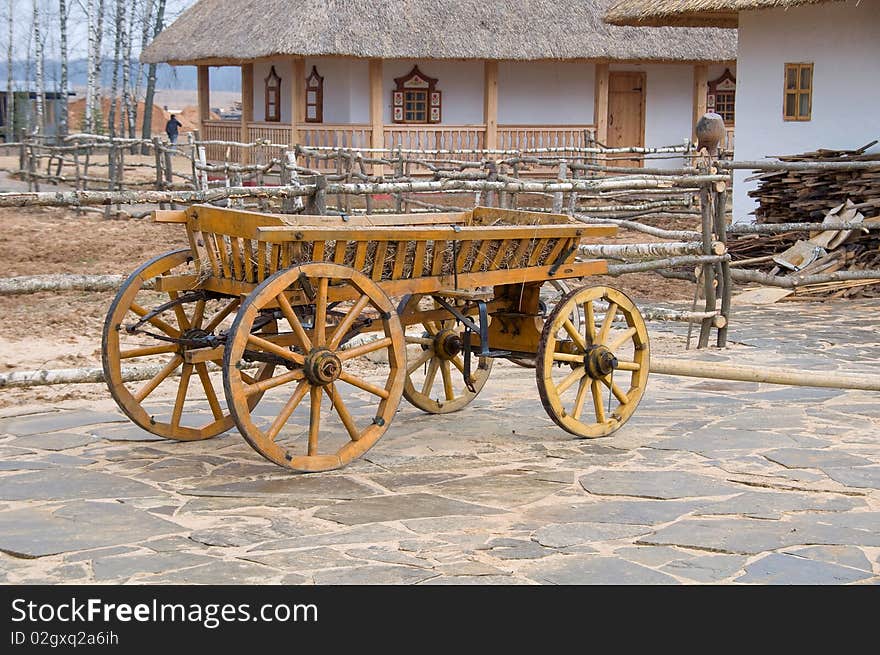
(342, 411)
(616, 390)
(621, 339)
(458, 363)
(430, 328)
(198, 314)
(318, 336)
(275, 349)
(419, 361)
(422, 341)
(570, 379)
(216, 410)
(288, 409)
(294, 321)
(567, 357)
(181, 394)
(610, 313)
(447, 379)
(596, 392)
(581, 397)
(147, 350)
(365, 348)
(314, 419)
(247, 378)
(590, 320)
(156, 380)
(217, 319)
(270, 383)
(347, 322)
(574, 334)
(179, 311)
(355, 381)
(628, 366)
(429, 377)
(155, 321)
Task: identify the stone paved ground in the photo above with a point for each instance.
(709, 482)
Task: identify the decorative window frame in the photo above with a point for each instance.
(722, 88)
(799, 87)
(272, 83)
(416, 81)
(315, 102)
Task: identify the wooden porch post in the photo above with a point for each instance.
(600, 117)
(247, 107)
(204, 87)
(297, 100)
(490, 103)
(377, 117)
(701, 88)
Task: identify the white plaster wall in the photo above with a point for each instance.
(284, 69)
(346, 88)
(669, 105)
(461, 83)
(546, 92)
(841, 39)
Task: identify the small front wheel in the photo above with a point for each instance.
(600, 365)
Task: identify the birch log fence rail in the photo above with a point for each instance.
(351, 182)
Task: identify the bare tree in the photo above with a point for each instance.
(39, 74)
(119, 21)
(95, 19)
(129, 109)
(10, 93)
(146, 131)
(146, 27)
(63, 15)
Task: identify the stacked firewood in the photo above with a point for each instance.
(820, 252)
(804, 196)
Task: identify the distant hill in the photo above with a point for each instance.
(167, 77)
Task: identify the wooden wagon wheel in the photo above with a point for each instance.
(316, 364)
(153, 343)
(552, 293)
(599, 365)
(435, 380)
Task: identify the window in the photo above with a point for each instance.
(416, 99)
(798, 103)
(273, 97)
(721, 97)
(314, 97)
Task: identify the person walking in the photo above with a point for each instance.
(171, 129)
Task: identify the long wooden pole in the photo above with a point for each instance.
(794, 377)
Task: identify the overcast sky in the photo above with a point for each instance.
(77, 34)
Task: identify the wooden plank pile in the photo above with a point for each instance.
(804, 196)
(820, 252)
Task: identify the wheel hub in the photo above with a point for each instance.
(600, 361)
(322, 367)
(447, 344)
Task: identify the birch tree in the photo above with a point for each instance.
(63, 15)
(39, 74)
(10, 94)
(118, 20)
(95, 19)
(146, 131)
(129, 108)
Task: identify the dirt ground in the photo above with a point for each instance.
(63, 330)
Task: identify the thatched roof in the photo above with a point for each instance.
(692, 13)
(215, 31)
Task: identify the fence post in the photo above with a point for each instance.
(492, 176)
(317, 202)
(368, 199)
(726, 281)
(157, 155)
(398, 174)
(559, 197)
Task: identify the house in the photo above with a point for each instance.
(807, 71)
(25, 108)
(447, 74)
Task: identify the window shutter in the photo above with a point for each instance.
(397, 105)
(435, 107)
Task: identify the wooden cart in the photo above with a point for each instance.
(294, 304)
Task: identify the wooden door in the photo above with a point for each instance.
(626, 113)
